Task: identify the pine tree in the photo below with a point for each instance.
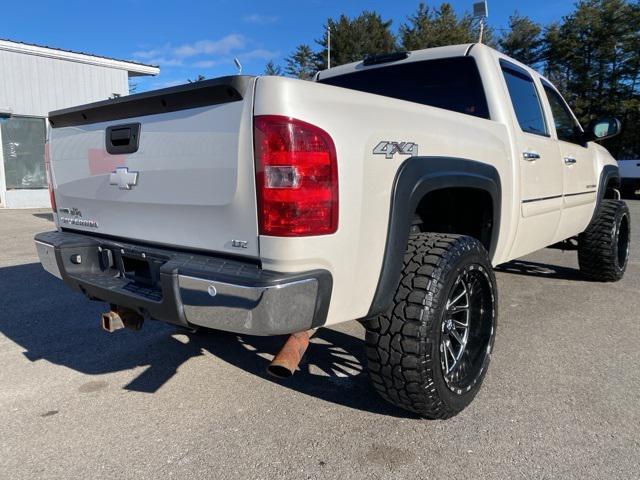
(429, 28)
(272, 69)
(447, 29)
(302, 63)
(593, 56)
(418, 33)
(353, 40)
(523, 40)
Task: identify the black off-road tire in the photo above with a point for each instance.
(404, 346)
(603, 248)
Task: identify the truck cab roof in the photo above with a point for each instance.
(413, 56)
(434, 53)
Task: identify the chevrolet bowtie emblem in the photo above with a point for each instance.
(123, 178)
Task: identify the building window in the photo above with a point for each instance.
(23, 141)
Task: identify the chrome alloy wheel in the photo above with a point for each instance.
(467, 329)
(455, 326)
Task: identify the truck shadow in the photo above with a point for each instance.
(44, 216)
(53, 324)
(536, 269)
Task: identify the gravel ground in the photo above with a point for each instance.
(561, 399)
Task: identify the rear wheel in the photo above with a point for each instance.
(430, 352)
(603, 248)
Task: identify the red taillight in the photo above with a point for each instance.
(47, 169)
(296, 178)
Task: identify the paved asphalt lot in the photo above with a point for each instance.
(561, 400)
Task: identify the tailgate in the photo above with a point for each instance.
(171, 167)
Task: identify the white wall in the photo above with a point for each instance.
(2, 181)
(27, 198)
(34, 85)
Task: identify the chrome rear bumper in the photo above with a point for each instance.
(251, 309)
(187, 289)
(47, 256)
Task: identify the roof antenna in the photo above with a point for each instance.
(238, 65)
(481, 11)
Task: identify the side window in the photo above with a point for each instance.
(525, 100)
(566, 127)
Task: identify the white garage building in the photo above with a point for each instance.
(35, 80)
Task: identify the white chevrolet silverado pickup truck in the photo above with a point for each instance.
(386, 191)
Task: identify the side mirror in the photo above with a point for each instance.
(604, 128)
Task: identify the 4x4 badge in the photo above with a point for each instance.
(389, 149)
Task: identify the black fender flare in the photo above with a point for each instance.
(416, 177)
(609, 172)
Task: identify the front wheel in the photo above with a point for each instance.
(603, 248)
(430, 351)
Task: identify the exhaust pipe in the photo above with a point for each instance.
(111, 321)
(286, 361)
(119, 318)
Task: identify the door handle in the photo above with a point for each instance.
(530, 156)
(569, 160)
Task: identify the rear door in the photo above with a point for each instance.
(580, 186)
(172, 167)
(539, 163)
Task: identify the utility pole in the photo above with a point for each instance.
(481, 11)
(328, 46)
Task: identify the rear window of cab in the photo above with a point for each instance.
(449, 83)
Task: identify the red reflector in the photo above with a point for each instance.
(47, 169)
(296, 178)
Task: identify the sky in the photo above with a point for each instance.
(187, 38)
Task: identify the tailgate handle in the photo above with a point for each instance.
(123, 138)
